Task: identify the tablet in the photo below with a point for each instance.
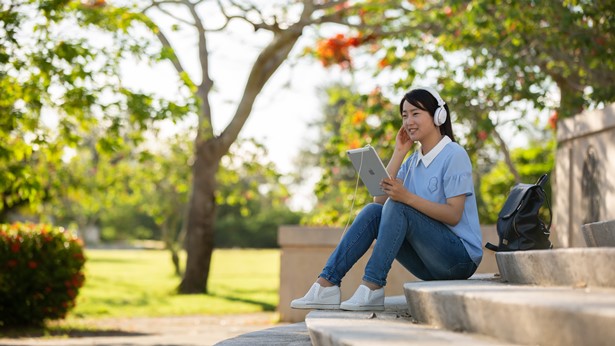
(370, 168)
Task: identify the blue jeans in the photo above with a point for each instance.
(424, 246)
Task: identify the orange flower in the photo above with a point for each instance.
(354, 41)
(384, 62)
(553, 120)
(358, 117)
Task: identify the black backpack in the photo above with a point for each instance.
(519, 224)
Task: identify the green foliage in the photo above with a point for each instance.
(526, 47)
(58, 86)
(259, 230)
(345, 126)
(491, 56)
(143, 194)
(41, 273)
(351, 121)
(496, 64)
(251, 199)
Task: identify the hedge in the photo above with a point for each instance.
(40, 273)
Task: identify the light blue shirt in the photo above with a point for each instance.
(445, 172)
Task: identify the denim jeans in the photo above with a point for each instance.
(425, 247)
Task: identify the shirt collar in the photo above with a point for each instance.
(431, 155)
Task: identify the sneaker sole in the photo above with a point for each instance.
(317, 306)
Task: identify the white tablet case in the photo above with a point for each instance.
(372, 170)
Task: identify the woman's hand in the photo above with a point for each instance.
(403, 143)
(394, 188)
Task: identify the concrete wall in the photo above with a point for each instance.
(584, 189)
(305, 250)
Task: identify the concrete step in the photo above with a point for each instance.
(295, 334)
(578, 267)
(349, 328)
(522, 314)
(599, 233)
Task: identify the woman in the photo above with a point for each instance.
(427, 221)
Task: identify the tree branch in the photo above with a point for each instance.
(268, 61)
(506, 153)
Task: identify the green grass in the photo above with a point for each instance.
(129, 283)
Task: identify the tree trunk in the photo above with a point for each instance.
(201, 219)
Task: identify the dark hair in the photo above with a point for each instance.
(423, 99)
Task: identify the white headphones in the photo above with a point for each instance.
(440, 114)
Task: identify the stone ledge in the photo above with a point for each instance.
(294, 334)
(598, 234)
(577, 267)
(300, 236)
(304, 252)
(521, 314)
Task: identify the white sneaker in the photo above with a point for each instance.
(365, 299)
(319, 297)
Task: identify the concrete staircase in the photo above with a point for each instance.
(547, 297)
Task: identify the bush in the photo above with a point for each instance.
(40, 273)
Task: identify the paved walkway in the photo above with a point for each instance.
(184, 330)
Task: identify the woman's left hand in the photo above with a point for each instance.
(394, 188)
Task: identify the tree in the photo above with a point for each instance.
(492, 58)
(519, 52)
(78, 79)
(497, 63)
(285, 25)
(58, 85)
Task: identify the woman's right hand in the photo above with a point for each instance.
(403, 143)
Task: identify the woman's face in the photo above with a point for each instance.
(417, 122)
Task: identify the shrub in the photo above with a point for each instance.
(40, 273)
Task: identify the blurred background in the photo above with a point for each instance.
(194, 126)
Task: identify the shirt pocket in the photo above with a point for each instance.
(433, 184)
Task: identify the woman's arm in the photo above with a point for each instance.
(449, 213)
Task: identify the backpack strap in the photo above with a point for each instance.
(541, 181)
(491, 247)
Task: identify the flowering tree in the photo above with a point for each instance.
(492, 58)
(489, 60)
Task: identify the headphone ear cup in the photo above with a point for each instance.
(439, 117)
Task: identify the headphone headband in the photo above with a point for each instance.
(440, 114)
(435, 94)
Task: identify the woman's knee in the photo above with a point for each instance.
(372, 209)
(392, 207)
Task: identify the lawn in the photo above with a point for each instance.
(126, 283)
